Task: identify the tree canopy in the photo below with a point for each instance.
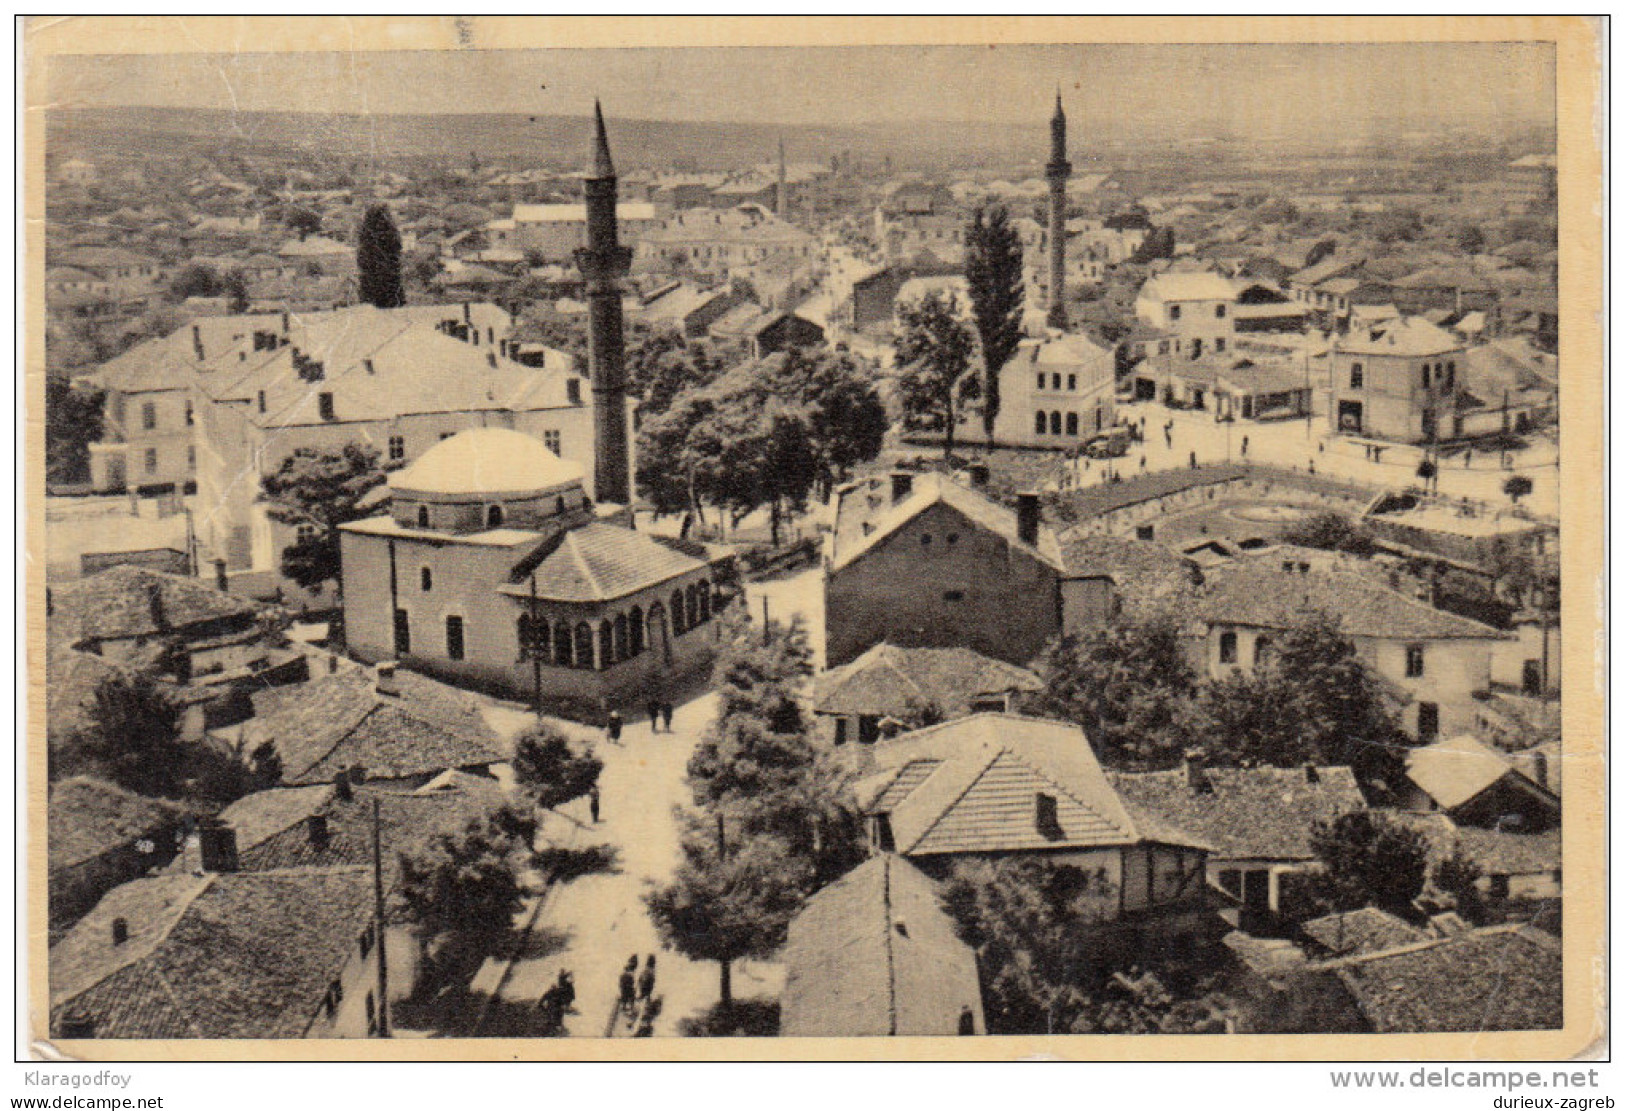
(321, 489)
(1370, 861)
(466, 882)
(993, 273)
(933, 348)
(378, 259)
(549, 769)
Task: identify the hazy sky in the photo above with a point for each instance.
(1270, 87)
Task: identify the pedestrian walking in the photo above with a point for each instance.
(653, 707)
(1467, 460)
(646, 978)
(613, 728)
(592, 803)
(566, 988)
(1193, 460)
(665, 714)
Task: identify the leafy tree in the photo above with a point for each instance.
(1158, 243)
(761, 453)
(378, 259)
(1143, 1002)
(1332, 532)
(73, 421)
(731, 897)
(322, 489)
(1470, 239)
(1517, 487)
(1369, 860)
(464, 883)
(196, 280)
(671, 474)
(1028, 921)
(549, 770)
(934, 351)
(1395, 225)
(1457, 876)
(1323, 249)
(1126, 685)
(133, 736)
(303, 222)
(846, 419)
(234, 287)
(993, 273)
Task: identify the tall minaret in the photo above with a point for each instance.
(782, 204)
(1057, 171)
(603, 262)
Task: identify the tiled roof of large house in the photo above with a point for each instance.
(1503, 853)
(1500, 978)
(927, 490)
(1189, 286)
(1245, 813)
(887, 679)
(88, 817)
(341, 722)
(129, 601)
(1454, 771)
(239, 955)
(1123, 560)
(873, 954)
(1253, 595)
(488, 463)
(1408, 336)
(1367, 930)
(976, 783)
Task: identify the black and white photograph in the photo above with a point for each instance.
(989, 543)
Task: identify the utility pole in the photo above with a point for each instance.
(766, 635)
(535, 648)
(378, 919)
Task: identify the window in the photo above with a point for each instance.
(1072, 381)
(304, 534)
(191, 458)
(1196, 349)
(189, 420)
(678, 624)
(868, 729)
(1072, 424)
(1414, 663)
(1218, 311)
(149, 416)
(447, 435)
(403, 633)
(151, 460)
(1357, 377)
(426, 579)
(953, 595)
(454, 637)
(493, 516)
(1218, 343)
(423, 516)
(1427, 720)
(1427, 375)
(925, 539)
(572, 390)
(1260, 647)
(262, 401)
(623, 641)
(562, 654)
(397, 447)
(1227, 647)
(584, 645)
(559, 504)
(1055, 424)
(1173, 312)
(1449, 376)
(1040, 379)
(1055, 381)
(606, 643)
(551, 440)
(324, 405)
(952, 538)
(525, 633)
(840, 731)
(1040, 423)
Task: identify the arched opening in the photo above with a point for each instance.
(693, 604)
(1227, 647)
(493, 516)
(1072, 424)
(563, 655)
(659, 635)
(623, 646)
(584, 646)
(1040, 423)
(705, 600)
(606, 643)
(426, 579)
(423, 516)
(526, 631)
(635, 630)
(678, 625)
(1055, 423)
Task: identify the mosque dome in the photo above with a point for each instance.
(485, 464)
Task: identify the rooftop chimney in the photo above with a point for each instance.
(197, 341)
(902, 485)
(155, 605)
(121, 931)
(384, 674)
(341, 786)
(287, 323)
(1046, 819)
(221, 582)
(1027, 518)
(316, 826)
(1311, 774)
(978, 475)
(217, 847)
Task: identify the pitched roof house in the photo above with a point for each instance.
(99, 835)
(889, 683)
(873, 955)
(1478, 786)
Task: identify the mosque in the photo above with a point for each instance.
(493, 567)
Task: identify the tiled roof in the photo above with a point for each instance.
(1499, 853)
(87, 817)
(1194, 286)
(977, 780)
(341, 721)
(1367, 930)
(1250, 813)
(1121, 559)
(930, 489)
(873, 954)
(1406, 336)
(118, 603)
(1457, 770)
(1502, 978)
(71, 681)
(486, 462)
(599, 561)
(1250, 594)
(243, 955)
(886, 678)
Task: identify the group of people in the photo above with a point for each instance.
(558, 1001)
(660, 711)
(637, 1000)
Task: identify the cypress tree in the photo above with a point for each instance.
(993, 273)
(378, 259)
